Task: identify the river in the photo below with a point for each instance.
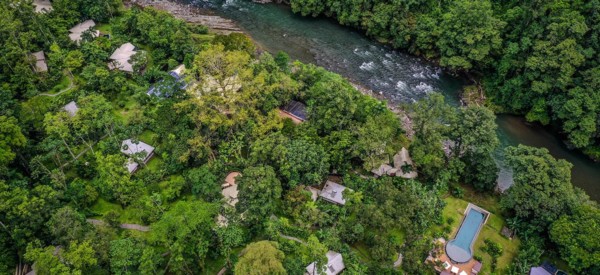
(397, 76)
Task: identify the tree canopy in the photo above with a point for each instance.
(261, 258)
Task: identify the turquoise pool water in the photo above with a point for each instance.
(460, 249)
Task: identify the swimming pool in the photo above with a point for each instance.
(460, 249)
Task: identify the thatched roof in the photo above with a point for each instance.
(401, 159)
(42, 6)
(40, 61)
(230, 190)
(121, 58)
(79, 29)
(382, 170)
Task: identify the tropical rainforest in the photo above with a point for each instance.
(536, 58)
(69, 204)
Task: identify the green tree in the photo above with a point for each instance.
(471, 34)
(11, 138)
(308, 7)
(229, 237)
(431, 119)
(542, 190)
(77, 258)
(23, 212)
(73, 61)
(259, 190)
(577, 238)
(204, 183)
(116, 180)
(375, 140)
(235, 42)
(125, 256)
(261, 257)
(315, 252)
(298, 161)
(60, 126)
(494, 250)
(474, 141)
(221, 72)
(186, 231)
(67, 225)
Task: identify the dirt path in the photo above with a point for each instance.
(71, 85)
(128, 226)
(292, 238)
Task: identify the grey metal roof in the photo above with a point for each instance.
(335, 265)
(538, 270)
(333, 192)
(296, 109)
(129, 147)
(168, 87)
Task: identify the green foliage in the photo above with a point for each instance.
(542, 190)
(529, 255)
(204, 183)
(228, 120)
(10, 139)
(475, 140)
(315, 252)
(125, 256)
(157, 29)
(538, 59)
(430, 119)
(259, 190)
(185, 231)
(67, 225)
(298, 161)
(470, 35)
(422, 207)
(77, 258)
(229, 237)
(261, 257)
(24, 211)
(494, 250)
(577, 238)
(115, 179)
(236, 42)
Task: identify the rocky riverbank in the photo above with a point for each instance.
(191, 14)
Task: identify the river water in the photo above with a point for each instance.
(397, 76)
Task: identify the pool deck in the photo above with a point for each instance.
(466, 267)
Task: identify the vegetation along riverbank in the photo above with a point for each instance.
(168, 148)
(539, 60)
